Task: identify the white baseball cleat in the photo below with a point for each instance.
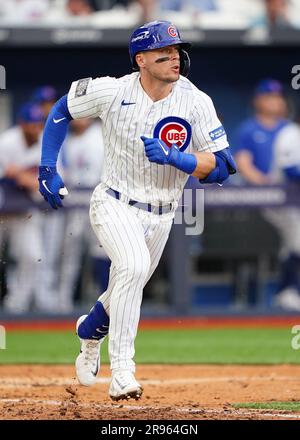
(124, 386)
(88, 361)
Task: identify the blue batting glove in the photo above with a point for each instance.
(157, 151)
(51, 186)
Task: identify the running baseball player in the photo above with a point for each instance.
(158, 130)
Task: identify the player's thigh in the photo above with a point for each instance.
(120, 232)
(287, 223)
(156, 242)
(293, 228)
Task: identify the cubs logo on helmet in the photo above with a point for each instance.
(172, 31)
(173, 130)
(154, 35)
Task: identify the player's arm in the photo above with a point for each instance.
(248, 170)
(211, 160)
(206, 166)
(51, 185)
(87, 98)
(25, 178)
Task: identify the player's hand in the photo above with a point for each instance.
(51, 186)
(157, 151)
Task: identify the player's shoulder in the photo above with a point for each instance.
(120, 82)
(188, 87)
(197, 96)
(249, 125)
(290, 127)
(289, 132)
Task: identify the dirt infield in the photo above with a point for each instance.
(170, 393)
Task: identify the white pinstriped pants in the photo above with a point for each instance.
(134, 240)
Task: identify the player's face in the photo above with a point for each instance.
(271, 104)
(32, 131)
(162, 64)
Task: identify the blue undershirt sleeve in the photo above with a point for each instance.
(55, 131)
(292, 173)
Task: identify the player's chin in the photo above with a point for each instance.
(172, 76)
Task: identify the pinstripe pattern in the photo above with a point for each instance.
(132, 238)
(127, 168)
(134, 241)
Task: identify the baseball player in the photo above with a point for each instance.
(19, 161)
(158, 130)
(266, 143)
(286, 168)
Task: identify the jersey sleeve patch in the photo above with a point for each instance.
(82, 87)
(217, 133)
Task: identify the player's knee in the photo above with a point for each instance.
(138, 268)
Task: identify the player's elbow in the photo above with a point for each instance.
(60, 111)
(224, 167)
(292, 173)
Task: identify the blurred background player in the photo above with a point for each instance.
(45, 97)
(82, 162)
(275, 16)
(53, 221)
(286, 169)
(255, 137)
(255, 155)
(19, 159)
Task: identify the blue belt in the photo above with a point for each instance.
(159, 210)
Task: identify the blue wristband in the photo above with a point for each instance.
(185, 162)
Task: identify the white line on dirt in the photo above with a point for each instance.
(10, 382)
(234, 412)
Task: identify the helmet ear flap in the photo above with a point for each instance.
(185, 62)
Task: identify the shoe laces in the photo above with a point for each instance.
(91, 351)
(124, 377)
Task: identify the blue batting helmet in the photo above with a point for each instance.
(44, 94)
(30, 112)
(267, 86)
(154, 35)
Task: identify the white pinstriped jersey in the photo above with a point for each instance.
(14, 151)
(186, 117)
(286, 151)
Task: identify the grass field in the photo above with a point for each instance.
(281, 406)
(216, 346)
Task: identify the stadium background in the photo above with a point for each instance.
(210, 301)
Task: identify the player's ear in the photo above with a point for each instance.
(140, 59)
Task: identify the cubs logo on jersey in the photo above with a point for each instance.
(173, 130)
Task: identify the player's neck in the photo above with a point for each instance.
(29, 140)
(155, 89)
(268, 121)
